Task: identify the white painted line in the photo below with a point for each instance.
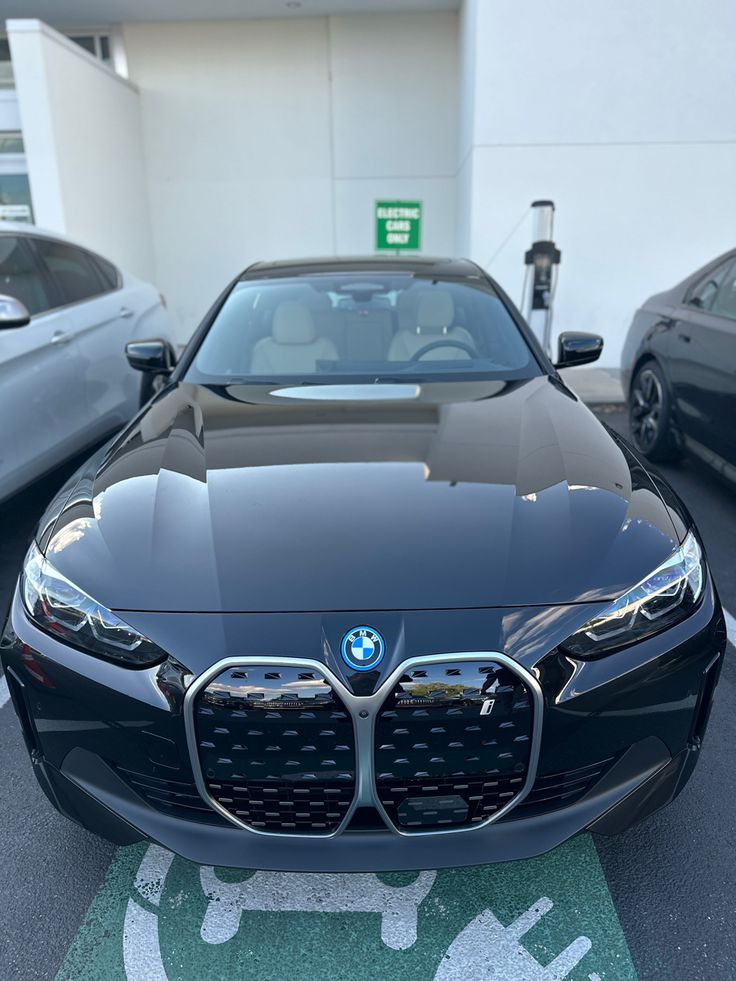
(4, 693)
(141, 951)
(730, 627)
(152, 872)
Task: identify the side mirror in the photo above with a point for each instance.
(153, 356)
(13, 313)
(578, 348)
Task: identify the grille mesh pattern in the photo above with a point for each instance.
(453, 743)
(171, 796)
(554, 790)
(276, 806)
(277, 748)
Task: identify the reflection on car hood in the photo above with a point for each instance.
(469, 495)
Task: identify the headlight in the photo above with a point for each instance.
(60, 608)
(668, 595)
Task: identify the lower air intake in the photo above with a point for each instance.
(452, 744)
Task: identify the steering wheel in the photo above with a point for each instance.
(443, 342)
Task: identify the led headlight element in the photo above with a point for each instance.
(668, 595)
(63, 610)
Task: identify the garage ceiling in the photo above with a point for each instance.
(90, 13)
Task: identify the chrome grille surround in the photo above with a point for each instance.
(364, 710)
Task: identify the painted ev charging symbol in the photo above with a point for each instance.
(293, 892)
(492, 952)
(161, 918)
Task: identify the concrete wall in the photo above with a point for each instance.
(82, 137)
(623, 114)
(273, 138)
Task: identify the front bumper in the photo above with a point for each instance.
(620, 736)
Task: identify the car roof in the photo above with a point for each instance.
(422, 265)
(26, 228)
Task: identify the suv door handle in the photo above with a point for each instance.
(61, 337)
(126, 312)
(684, 337)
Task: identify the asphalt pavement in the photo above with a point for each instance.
(658, 901)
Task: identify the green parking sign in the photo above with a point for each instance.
(398, 225)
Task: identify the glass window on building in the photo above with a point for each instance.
(15, 198)
(15, 192)
(6, 68)
(96, 43)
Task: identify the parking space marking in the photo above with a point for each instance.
(141, 950)
(4, 692)
(161, 918)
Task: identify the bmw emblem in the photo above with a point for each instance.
(362, 648)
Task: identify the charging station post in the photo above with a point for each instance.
(542, 260)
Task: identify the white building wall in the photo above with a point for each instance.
(394, 122)
(623, 115)
(236, 128)
(273, 138)
(83, 145)
(466, 107)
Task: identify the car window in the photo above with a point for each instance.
(725, 301)
(71, 269)
(106, 271)
(20, 277)
(362, 327)
(705, 292)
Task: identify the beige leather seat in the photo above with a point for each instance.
(435, 312)
(293, 347)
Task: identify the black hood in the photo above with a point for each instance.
(462, 495)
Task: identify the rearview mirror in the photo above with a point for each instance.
(13, 313)
(152, 356)
(574, 347)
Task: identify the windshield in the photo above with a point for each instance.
(361, 327)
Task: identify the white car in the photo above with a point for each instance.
(66, 315)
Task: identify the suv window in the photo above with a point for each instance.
(704, 293)
(20, 276)
(71, 269)
(725, 301)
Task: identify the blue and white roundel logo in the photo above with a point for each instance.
(362, 648)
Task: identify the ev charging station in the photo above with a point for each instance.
(542, 262)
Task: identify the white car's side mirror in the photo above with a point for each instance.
(13, 313)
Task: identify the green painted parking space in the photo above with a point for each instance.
(158, 917)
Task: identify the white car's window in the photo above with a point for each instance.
(71, 269)
(362, 326)
(20, 276)
(107, 272)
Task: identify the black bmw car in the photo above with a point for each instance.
(679, 369)
(364, 587)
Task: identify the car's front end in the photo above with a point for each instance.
(596, 744)
(394, 626)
